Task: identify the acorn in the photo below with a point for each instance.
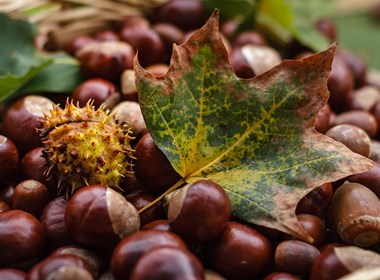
(85, 146)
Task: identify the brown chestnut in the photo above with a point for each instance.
(106, 35)
(295, 256)
(186, 15)
(21, 239)
(30, 196)
(354, 213)
(21, 120)
(106, 59)
(322, 121)
(33, 166)
(370, 179)
(61, 267)
(12, 274)
(147, 42)
(335, 262)
(128, 86)
(316, 201)
(9, 158)
(152, 167)
(362, 119)
(314, 227)
(327, 27)
(355, 138)
(249, 37)
(53, 223)
(91, 258)
(239, 252)
(73, 46)
(357, 66)
(130, 249)
(167, 263)
(3, 206)
(7, 190)
(129, 112)
(142, 198)
(98, 90)
(340, 83)
(99, 217)
(157, 225)
(199, 211)
(363, 98)
(281, 276)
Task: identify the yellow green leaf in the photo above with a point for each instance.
(254, 137)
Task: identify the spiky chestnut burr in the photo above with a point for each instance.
(85, 146)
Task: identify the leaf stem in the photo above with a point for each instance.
(171, 189)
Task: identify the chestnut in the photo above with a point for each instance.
(98, 90)
(362, 119)
(322, 121)
(157, 225)
(7, 190)
(33, 166)
(240, 64)
(91, 258)
(355, 138)
(169, 35)
(128, 86)
(21, 120)
(340, 83)
(316, 201)
(99, 217)
(3, 206)
(375, 151)
(53, 223)
(370, 179)
(158, 69)
(142, 198)
(239, 252)
(147, 42)
(30, 196)
(314, 227)
(249, 37)
(9, 158)
(335, 262)
(199, 211)
(152, 167)
(21, 239)
(73, 46)
(61, 267)
(131, 248)
(295, 256)
(281, 276)
(106, 59)
(354, 213)
(186, 15)
(357, 66)
(168, 263)
(106, 35)
(129, 112)
(12, 274)
(363, 99)
(327, 28)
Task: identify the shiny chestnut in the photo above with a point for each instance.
(99, 217)
(130, 249)
(9, 158)
(21, 239)
(199, 211)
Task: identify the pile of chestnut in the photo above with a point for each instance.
(98, 233)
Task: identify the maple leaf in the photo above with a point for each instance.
(254, 137)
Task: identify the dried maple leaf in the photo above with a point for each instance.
(254, 137)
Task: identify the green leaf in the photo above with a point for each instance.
(24, 70)
(287, 19)
(241, 10)
(359, 33)
(63, 75)
(254, 137)
(9, 84)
